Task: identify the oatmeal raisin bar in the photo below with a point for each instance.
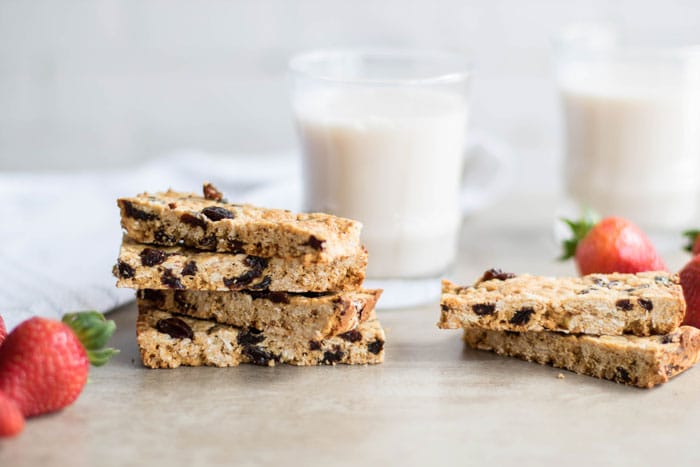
(314, 315)
(210, 223)
(600, 304)
(168, 341)
(147, 267)
(638, 361)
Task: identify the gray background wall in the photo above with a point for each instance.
(108, 83)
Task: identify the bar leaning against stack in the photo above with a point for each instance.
(222, 284)
(620, 327)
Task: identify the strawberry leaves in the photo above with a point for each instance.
(579, 229)
(692, 236)
(93, 331)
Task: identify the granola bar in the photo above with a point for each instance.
(637, 361)
(209, 223)
(146, 267)
(169, 341)
(313, 315)
(600, 304)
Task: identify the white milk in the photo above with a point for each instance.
(633, 143)
(391, 158)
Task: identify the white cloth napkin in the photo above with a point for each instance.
(60, 233)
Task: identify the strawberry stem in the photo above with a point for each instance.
(579, 229)
(93, 331)
(691, 235)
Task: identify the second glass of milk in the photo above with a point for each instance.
(632, 119)
(383, 136)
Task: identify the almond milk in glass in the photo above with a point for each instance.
(383, 134)
(632, 127)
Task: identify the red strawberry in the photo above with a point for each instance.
(690, 281)
(693, 245)
(3, 330)
(11, 419)
(44, 363)
(612, 245)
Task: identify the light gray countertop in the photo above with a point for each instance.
(431, 403)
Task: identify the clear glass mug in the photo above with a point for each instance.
(384, 138)
(632, 126)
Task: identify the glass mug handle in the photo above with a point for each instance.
(487, 173)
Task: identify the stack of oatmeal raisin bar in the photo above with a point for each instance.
(621, 327)
(221, 284)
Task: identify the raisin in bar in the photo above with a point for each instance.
(314, 315)
(169, 341)
(641, 304)
(209, 223)
(146, 267)
(638, 361)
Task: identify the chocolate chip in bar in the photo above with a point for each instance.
(237, 283)
(646, 304)
(375, 346)
(235, 246)
(193, 220)
(251, 336)
(622, 375)
(484, 309)
(126, 271)
(175, 327)
(331, 357)
(315, 243)
(155, 296)
(624, 304)
(351, 336)
(257, 264)
(264, 284)
(258, 355)
(522, 316)
(152, 256)
(216, 213)
(136, 213)
(314, 345)
(170, 280)
(274, 297)
(190, 268)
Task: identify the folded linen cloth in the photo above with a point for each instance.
(60, 233)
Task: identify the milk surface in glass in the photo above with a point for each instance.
(391, 157)
(633, 140)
